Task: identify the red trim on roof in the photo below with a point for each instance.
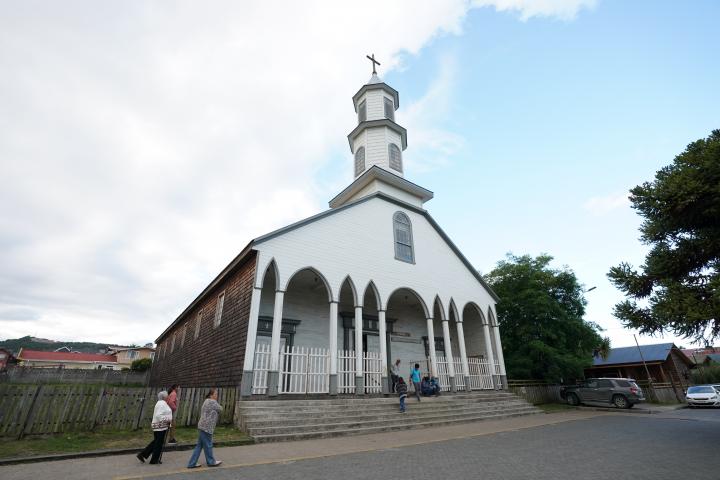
(65, 356)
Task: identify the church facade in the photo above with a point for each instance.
(327, 304)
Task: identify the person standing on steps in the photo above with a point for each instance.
(395, 374)
(209, 414)
(162, 417)
(172, 402)
(402, 392)
(415, 376)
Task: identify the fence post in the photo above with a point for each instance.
(31, 413)
(142, 408)
(98, 409)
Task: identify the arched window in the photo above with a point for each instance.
(395, 159)
(362, 111)
(403, 238)
(359, 161)
(389, 110)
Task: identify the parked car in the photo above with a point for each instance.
(705, 395)
(621, 392)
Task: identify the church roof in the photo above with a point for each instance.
(374, 86)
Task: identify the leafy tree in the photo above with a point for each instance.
(540, 314)
(141, 364)
(677, 289)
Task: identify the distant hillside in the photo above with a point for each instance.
(33, 343)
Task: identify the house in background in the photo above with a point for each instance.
(712, 359)
(127, 355)
(699, 355)
(37, 358)
(664, 361)
(6, 358)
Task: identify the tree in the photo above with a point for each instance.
(540, 314)
(141, 364)
(677, 289)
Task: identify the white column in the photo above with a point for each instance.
(383, 350)
(333, 346)
(333, 337)
(501, 360)
(489, 352)
(273, 374)
(276, 330)
(448, 354)
(431, 346)
(359, 378)
(249, 362)
(463, 352)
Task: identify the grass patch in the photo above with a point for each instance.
(102, 440)
(554, 407)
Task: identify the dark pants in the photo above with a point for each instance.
(416, 385)
(155, 447)
(394, 380)
(402, 403)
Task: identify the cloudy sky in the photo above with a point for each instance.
(143, 144)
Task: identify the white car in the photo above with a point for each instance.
(702, 395)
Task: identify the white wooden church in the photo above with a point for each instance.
(327, 304)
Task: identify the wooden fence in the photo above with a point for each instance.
(35, 375)
(535, 392)
(43, 409)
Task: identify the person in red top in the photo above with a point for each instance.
(172, 401)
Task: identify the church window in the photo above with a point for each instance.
(197, 325)
(389, 110)
(219, 308)
(182, 336)
(362, 111)
(172, 344)
(359, 161)
(403, 238)
(395, 158)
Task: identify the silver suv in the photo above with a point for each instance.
(621, 392)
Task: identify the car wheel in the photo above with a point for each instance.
(573, 399)
(630, 405)
(620, 402)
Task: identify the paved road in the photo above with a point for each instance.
(681, 444)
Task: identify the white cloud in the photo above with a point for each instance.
(605, 204)
(143, 144)
(562, 9)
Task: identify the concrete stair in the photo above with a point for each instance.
(284, 419)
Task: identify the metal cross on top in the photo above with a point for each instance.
(374, 62)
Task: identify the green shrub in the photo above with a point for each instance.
(704, 375)
(141, 365)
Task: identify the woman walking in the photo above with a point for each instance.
(206, 427)
(162, 416)
(172, 402)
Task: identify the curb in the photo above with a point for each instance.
(117, 451)
(646, 411)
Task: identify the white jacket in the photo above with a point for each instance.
(162, 416)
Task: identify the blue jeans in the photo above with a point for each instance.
(204, 442)
(402, 404)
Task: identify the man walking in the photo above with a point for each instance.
(395, 374)
(415, 376)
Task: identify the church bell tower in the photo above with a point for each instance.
(377, 145)
(377, 139)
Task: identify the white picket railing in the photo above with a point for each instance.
(372, 371)
(304, 370)
(346, 371)
(443, 372)
(459, 374)
(480, 374)
(498, 373)
(261, 368)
